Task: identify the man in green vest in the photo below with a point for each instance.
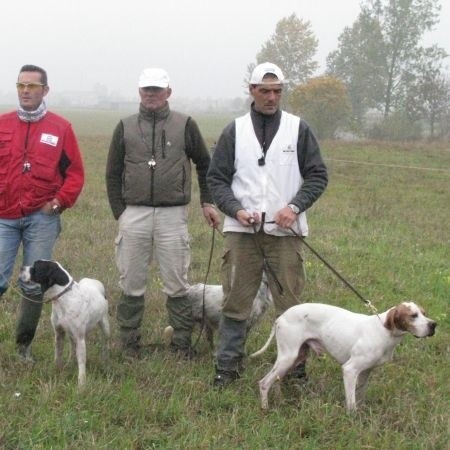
(148, 179)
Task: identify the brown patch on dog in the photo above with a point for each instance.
(398, 318)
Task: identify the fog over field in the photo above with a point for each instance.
(205, 45)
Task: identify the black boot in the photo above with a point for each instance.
(130, 311)
(179, 310)
(29, 314)
(230, 351)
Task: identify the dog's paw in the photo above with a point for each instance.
(167, 335)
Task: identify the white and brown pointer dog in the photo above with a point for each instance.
(358, 342)
(76, 309)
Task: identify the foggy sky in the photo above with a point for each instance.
(205, 45)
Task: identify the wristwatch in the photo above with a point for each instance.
(56, 209)
(295, 209)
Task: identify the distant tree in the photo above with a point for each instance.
(428, 94)
(292, 47)
(360, 63)
(391, 31)
(323, 102)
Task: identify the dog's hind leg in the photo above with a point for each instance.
(285, 361)
(104, 326)
(59, 347)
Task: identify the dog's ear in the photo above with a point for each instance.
(390, 319)
(57, 276)
(398, 318)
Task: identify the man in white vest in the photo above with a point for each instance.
(265, 173)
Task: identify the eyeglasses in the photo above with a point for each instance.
(30, 86)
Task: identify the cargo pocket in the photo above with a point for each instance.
(117, 252)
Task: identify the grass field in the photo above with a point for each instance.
(383, 222)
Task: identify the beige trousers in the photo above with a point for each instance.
(146, 234)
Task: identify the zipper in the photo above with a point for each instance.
(26, 164)
(163, 143)
(152, 175)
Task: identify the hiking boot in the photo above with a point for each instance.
(225, 377)
(179, 310)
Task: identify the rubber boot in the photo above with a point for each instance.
(130, 311)
(179, 310)
(29, 314)
(230, 351)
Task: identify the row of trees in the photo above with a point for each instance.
(379, 81)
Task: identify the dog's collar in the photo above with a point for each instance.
(66, 289)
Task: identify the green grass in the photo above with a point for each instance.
(384, 228)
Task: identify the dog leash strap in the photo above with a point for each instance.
(211, 251)
(366, 301)
(266, 264)
(66, 289)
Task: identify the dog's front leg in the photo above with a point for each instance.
(73, 349)
(350, 375)
(59, 347)
(81, 359)
(361, 386)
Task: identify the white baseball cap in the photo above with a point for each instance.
(261, 70)
(153, 76)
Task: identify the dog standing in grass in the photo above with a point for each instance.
(356, 341)
(76, 309)
(207, 302)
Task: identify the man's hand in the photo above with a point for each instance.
(52, 208)
(285, 217)
(211, 215)
(247, 219)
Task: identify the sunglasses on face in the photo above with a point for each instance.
(30, 86)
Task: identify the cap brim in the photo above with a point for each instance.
(160, 85)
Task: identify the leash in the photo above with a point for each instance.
(66, 289)
(327, 264)
(266, 265)
(211, 251)
(51, 299)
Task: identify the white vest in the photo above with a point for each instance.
(270, 187)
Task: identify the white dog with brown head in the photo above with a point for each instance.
(358, 342)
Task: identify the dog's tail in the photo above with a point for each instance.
(266, 345)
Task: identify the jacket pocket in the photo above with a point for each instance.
(5, 151)
(2, 196)
(5, 141)
(44, 177)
